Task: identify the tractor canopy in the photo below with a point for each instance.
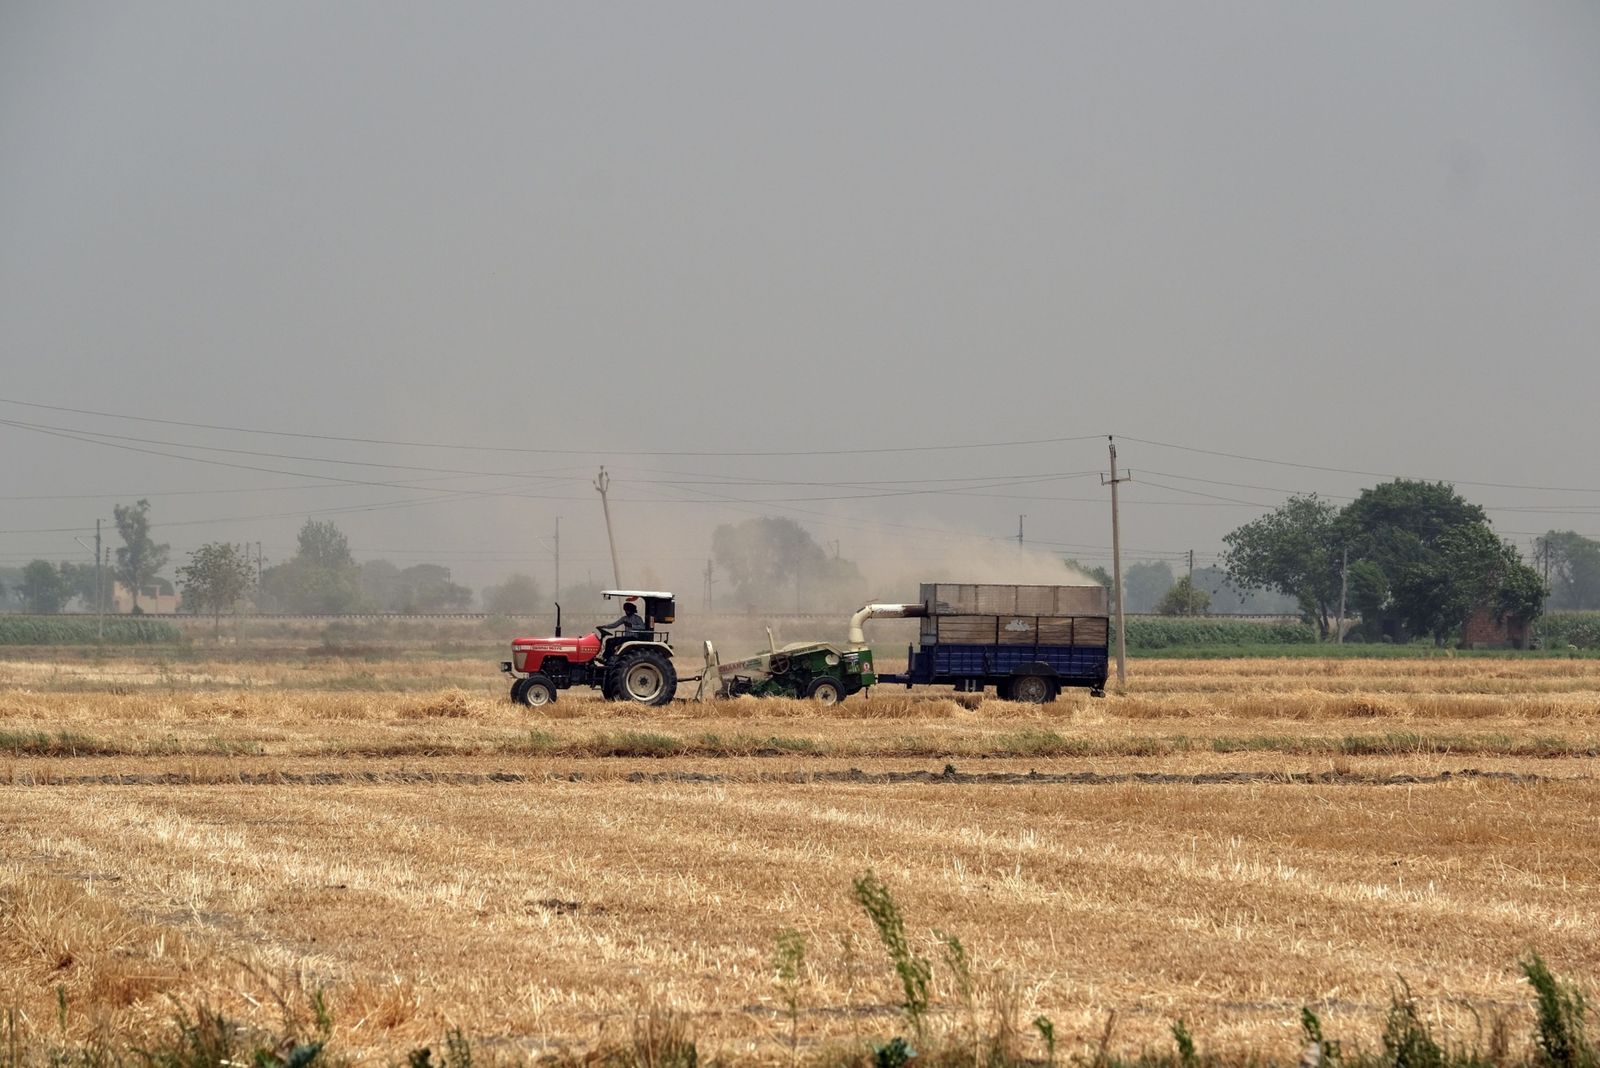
(659, 607)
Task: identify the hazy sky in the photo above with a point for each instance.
(1361, 236)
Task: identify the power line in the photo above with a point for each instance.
(1364, 474)
(550, 452)
(120, 441)
(1211, 496)
(47, 428)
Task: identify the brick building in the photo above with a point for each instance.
(1483, 631)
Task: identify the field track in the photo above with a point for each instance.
(1226, 842)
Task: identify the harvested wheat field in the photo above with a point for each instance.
(1226, 842)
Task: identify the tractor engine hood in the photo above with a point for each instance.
(576, 649)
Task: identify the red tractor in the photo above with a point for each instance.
(626, 664)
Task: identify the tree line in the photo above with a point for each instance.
(1409, 558)
(220, 577)
(1413, 559)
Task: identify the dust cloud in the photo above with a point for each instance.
(996, 562)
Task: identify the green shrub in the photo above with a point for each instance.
(1578, 629)
(1172, 633)
(81, 630)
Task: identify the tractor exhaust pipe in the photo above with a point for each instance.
(558, 617)
(882, 611)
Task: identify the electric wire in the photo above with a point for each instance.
(553, 452)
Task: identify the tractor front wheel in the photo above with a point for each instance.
(538, 691)
(825, 691)
(646, 677)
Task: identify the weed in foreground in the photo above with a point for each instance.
(1187, 1058)
(788, 960)
(1407, 1042)
(1047, 1034)
(1560, 1013)
(914, 971)
(1327, 1050)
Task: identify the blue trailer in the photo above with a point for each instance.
(1027, 643)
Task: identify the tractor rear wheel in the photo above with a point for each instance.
(825, 691)
(538, 691)
(645, 676)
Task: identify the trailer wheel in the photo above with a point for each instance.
(1032, 689)
(825, 691)
(538, 691)
(646, 677)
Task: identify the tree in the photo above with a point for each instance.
(1470, 569)
(1398, 524)
(1097, 574)
(518, 595)
(428, 588)
(322, 578)
(1227, 597)
(80, 582)
(11, 587)
(1425, 556)
(1294, 549)
(763, 556)
(380, 585)
(1143, 585)
(139, 558)
(1574, 568)
(43, 588)
(1369, 593)
(1184, 599)
(215, 579)
(324, 545)
(420, 588)
(774, 562)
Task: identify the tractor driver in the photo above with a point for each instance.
(630, 623)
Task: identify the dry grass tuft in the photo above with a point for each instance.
(451, 704)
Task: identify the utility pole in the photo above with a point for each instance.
(1116, 563)
(602, 483)
(99, 592)
(1344, 587)
(99, 629)
(1544, 558)
(558, 558)
(1188, 602)
(709, 581)
(1020, 518)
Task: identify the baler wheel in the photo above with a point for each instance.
(825, 691)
